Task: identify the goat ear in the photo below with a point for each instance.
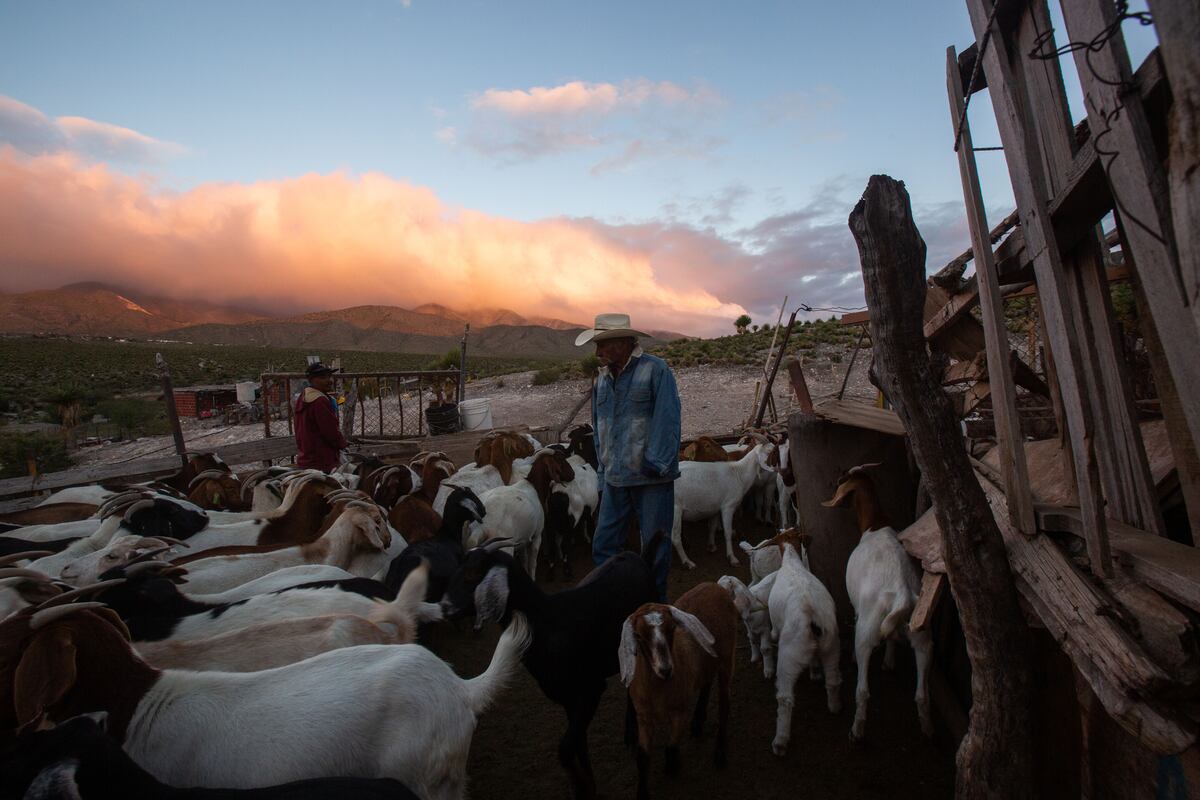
(844, 490)
(58, 781)
(491, 596)
(627, 653)
(741, 598)
(44, 676)
(696, 628)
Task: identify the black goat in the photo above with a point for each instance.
(76, 760)
(444, 552)
(576, 632)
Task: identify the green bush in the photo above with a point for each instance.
(133, 416)
(48, 453)
(590, 365)
(546, 376)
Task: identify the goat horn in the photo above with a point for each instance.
(171, 540)
(137, 567)
(28, 555)
(209, 474)
(148, 556)
(138, 506)
(22, 572)
(119, 499)
(82, 591)
(46, 616)
(495, 544)
(862, 468)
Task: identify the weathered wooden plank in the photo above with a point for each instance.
(1168, 567)
(860, 415)
(1078, 616)
(1023, 154)
(1000, 378)
(960, 303)
(1177, 23)
(799, 385)
(969, 399)
(1139, 184)
(923, 541)
(933, 586)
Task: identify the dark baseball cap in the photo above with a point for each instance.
(319, 369)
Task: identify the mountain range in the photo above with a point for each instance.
(95, 309)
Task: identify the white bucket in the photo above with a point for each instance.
(476, 414)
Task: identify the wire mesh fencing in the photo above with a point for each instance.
(370, 405)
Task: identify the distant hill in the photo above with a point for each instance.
(99, 310)
(485, 317)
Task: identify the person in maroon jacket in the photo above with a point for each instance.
(319, 438)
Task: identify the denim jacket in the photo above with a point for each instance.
(636, 420)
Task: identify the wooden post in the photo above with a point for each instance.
(853, 357)
(1023, 152)
(1000, 379)
(1177, 23)
(762, 401)
(164, 372)
(799, 385)
(1140, 189)
(584, 398)
(462, 365)
(995, 758)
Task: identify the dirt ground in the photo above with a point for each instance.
(514, 753)
(715, 400)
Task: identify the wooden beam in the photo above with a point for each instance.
(1168, 567)
(968, 400)
(1177, 24)
(964, 371)
(1023, 154)
(1000, 376)
(860, 415)
(933, 586)
(1139, 184)
(1125, 679)
(799, 385)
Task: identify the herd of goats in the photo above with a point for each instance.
(259, 635)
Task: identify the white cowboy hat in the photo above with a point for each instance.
(609, 326)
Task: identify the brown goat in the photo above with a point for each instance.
(217, 490)
(414, 518)
(500, 449)
(434, 470)
(856, 489)
(703, 448)
(50, 514)
(670, 656)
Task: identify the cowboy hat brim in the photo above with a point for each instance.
(595, 335)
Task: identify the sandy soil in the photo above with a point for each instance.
(714, 400)
(514, 754)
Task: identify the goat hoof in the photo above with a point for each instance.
(858, 731)
(835, 707)
(689, 565)
(779, 747)
(733, 561)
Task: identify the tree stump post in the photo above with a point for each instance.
(995, 759)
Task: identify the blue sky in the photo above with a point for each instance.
(701, 122)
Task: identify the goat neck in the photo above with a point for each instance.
(539, 478)
(524, 595)
(300, 521)
(865, 502)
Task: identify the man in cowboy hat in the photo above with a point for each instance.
(635, 416)
(319, 438)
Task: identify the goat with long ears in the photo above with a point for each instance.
(883, 586)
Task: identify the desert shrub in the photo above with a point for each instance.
(589, 365)
(48, 453)
(546, 376)
(130, 415)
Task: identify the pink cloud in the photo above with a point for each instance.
(579, 97)
(327, 241)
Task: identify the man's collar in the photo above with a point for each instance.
(637, 352)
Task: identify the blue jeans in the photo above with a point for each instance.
(654, 504)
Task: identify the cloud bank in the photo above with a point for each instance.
(29, 130)
(628, 122)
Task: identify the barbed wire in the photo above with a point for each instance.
(983, 45)
(1041, 52)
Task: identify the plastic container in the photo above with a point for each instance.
(442, 419)
(476, 414)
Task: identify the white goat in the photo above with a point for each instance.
(713, 491)
(883, 586)
(804, 629)
(120, 551)
(751, 603)
(357, 542)
(394, 711)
